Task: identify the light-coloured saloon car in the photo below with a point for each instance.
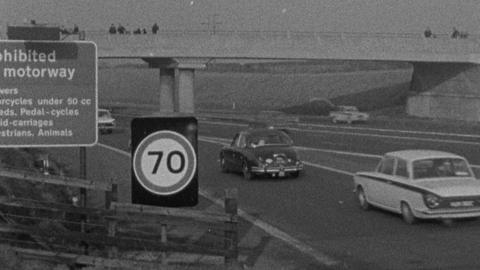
(348, 114)
(421, 184)
(106, 123)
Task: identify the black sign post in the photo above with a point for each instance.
(164, 161)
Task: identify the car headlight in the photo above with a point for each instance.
(431, 201)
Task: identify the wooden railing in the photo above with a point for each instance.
(68, 232)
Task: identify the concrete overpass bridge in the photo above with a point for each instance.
(445, 81)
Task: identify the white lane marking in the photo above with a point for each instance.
(338, 152)
(224, 141)
(394, 130)
(216, 140)
(370, 134)
(388, 136)
(223, 123)
(328, 168)
(273, 231)
(363, 128)
(116, 150)
(355, 128)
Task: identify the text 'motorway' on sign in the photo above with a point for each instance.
(48, 93)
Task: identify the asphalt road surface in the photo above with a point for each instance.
(319, 208)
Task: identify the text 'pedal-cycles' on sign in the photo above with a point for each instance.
(48, 93)
(164, 162)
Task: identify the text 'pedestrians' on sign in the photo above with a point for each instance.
(48, 93)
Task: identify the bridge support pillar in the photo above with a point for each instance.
(184, 90)
(177, 76)
(445, 90)
(167, 90)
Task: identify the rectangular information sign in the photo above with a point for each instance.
(48, 93)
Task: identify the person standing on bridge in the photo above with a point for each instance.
(75, 29)
(428, 33)
(155, 28)
(455, 33)
(112, 29)
(121, 29)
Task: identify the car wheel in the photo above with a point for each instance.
(362, 199)
(247, 174)
(295, 174)
(407, 213)
(223, 166)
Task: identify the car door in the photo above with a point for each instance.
(397, 184)
(228, 153)
(385, 184)
(239, 151)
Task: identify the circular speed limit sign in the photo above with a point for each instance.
(164, 162)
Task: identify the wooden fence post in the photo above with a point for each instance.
(163, 239)
(231, 231)
(110, 197)
(112, 229)
(83, 194)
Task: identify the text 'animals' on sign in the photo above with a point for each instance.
(48, 93)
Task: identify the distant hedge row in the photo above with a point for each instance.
(319, 66)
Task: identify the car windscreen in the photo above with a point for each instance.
(347, 109)
(105, 114)
(440, 167)
(270, 138)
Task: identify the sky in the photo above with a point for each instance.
(386, 16)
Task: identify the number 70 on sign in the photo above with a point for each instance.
(164, 162)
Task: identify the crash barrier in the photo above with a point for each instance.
(120, 235)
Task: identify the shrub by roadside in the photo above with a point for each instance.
(25, 159)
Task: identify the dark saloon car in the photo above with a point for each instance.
(261, 151)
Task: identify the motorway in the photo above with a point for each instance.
(318, 209)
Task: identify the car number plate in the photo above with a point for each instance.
(462, 204)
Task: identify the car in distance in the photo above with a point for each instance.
(421, 184)
(106, 123)
(348, 114)
(261, 151)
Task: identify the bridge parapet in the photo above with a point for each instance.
(288, 45)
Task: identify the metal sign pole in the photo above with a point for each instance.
(83, 192)
(83, 174)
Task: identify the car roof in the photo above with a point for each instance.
(256, 131)
(421, 154)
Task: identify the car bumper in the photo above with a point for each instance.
(359, 119)
(277, 170)
(447, 213)
(106, 126)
